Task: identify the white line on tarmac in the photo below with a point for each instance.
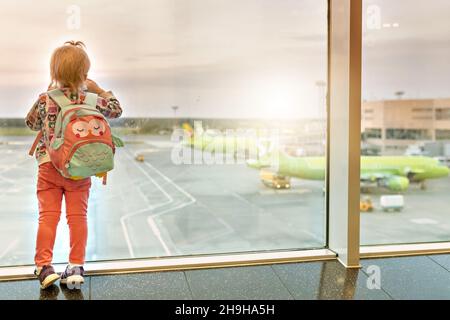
(8, 180)
(153, 226)
(312, 235)
(171, 182)
(150, 219)
(150, 178)
(157, 233)
(13, 166)
(238, 196)
(9, 247)
(122, 219)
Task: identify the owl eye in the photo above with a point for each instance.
(80, 129)
(96, 127)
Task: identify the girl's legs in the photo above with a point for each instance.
(76, 196)
(49, 193)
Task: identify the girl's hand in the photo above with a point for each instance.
(93, 87)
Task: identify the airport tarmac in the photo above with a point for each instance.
(155, 208)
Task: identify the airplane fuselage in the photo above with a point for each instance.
(416, 169)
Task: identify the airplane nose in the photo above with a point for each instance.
(442, 171)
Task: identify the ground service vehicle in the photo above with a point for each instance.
(274, 180)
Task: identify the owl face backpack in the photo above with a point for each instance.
(82, 145)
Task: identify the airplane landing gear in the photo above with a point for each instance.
(365, 190)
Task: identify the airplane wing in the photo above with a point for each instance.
(387, 180)
(375, 176)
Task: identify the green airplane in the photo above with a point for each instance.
(393, 173)
(223, 143)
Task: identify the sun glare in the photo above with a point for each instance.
(278, 100)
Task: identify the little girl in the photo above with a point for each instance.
(69, 67)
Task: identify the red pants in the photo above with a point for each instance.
(51, 187)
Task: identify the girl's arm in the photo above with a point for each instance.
(33, 119)
(107, 104)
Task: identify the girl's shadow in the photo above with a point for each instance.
(52, 292)
(71, 294)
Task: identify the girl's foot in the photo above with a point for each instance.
(72, 277)
(46, 275)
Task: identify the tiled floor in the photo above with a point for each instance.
(425, 277)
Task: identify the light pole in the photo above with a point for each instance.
(400, 94)
(175, 109)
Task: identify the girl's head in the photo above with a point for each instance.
(69, 65)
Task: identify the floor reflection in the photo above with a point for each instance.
(52, 293)
(337, 282)
(72, 294)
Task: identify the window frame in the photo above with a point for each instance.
(342, 175)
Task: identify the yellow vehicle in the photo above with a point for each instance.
(366, 205)
(140, 158)
(274, 180)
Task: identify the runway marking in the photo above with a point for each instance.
(241, 198)
(13, 166)
(16, 187)
(229, 228)
(152, 223)
(312, 235)
(17, 143)
(150, 219)
(238, 196)
(157, 233)
(151, 179)
(170, 181)
(424, 221)
(9, 247)
(150, 207)
(8, 180)
(154, 227)
(181, 205)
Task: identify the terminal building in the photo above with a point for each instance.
(394, 125)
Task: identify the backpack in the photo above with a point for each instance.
(82, 145)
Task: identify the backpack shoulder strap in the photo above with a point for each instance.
(91, 99)
(59, 97)
(35, 143)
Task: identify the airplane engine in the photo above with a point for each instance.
(397, 183)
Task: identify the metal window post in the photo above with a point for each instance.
(344, 112)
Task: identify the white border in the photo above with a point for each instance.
(180, 263)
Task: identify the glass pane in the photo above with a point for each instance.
(405, 122)
(224, 124)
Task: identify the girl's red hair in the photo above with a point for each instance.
(69, 65)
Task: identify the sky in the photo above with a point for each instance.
(220, 58)
(412, 57)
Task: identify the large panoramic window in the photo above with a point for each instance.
(406, 81)
(224, 125)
